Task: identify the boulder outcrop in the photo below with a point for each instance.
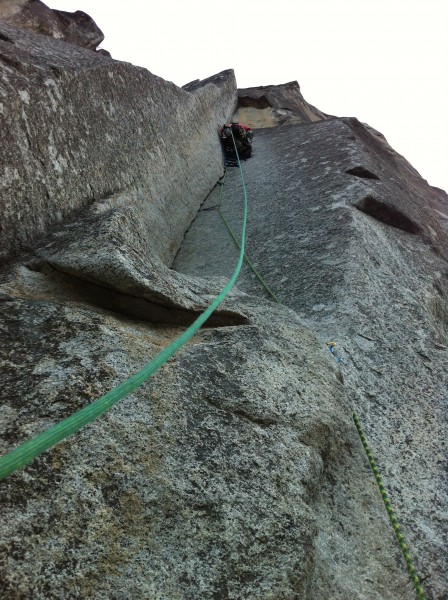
(76, 28)
(273, 105)
(236, 472)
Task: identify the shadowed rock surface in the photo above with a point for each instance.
(236, 472)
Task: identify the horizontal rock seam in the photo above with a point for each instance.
(31, 449)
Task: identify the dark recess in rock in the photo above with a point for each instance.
(151, 310)
(261, 102)
(362, 172)
(387, 214)
(5, 38)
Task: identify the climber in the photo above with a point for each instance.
(243, 141)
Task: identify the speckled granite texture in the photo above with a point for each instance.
(236, 472)
(375, 282)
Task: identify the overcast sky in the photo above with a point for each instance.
(384, 62)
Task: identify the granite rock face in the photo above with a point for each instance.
(272, 105)
(106, 165)
(199, 485)
(75, 28)
(58, 162)
(347, 234)
(236, 472)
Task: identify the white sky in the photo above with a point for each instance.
(382, 61)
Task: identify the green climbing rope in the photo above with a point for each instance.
(28, 451)
(246, 258)
(390, 512)
(393, 519)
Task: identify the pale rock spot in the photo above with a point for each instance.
(443, 215)
(54, 93)
(10, 174)
(24, 96)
